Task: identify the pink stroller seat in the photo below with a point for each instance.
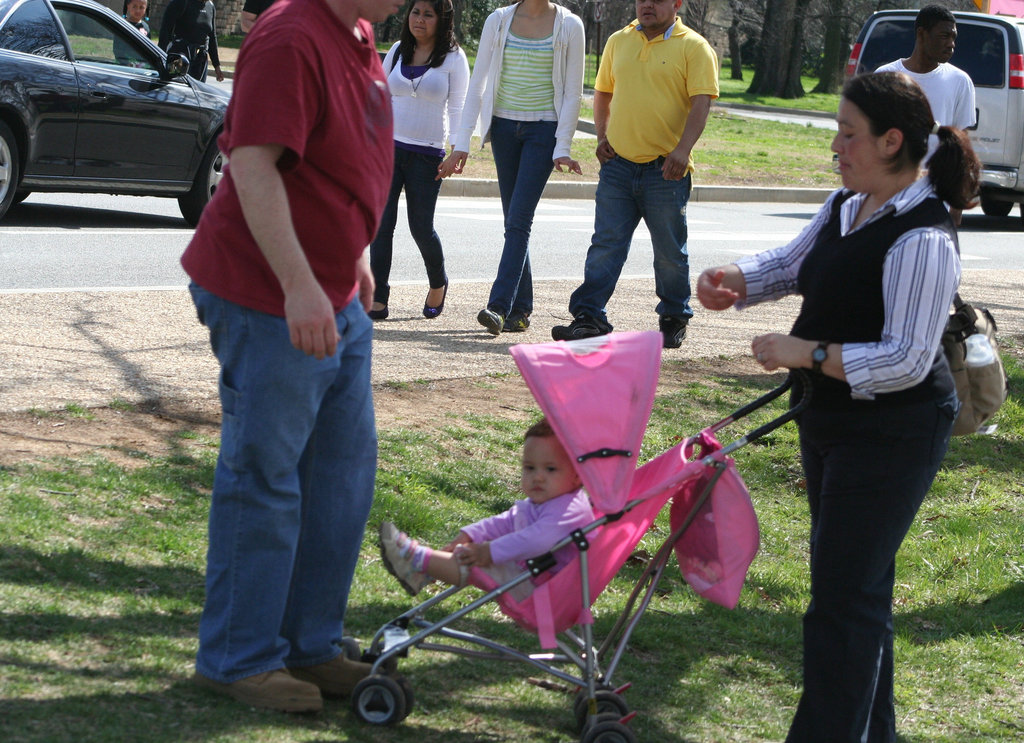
(598, 397)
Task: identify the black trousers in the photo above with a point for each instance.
(867, 474)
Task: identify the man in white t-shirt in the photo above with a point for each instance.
(949, 90)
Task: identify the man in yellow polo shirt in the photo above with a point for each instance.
(651, 102)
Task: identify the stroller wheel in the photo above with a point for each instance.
(608, 702)
(379, 700)
(410, 701)
(609, 731)
(350, 648)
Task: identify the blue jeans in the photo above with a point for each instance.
(867, 473)
(627, 192)
(523, 152)
(415, 172)
(291, 493)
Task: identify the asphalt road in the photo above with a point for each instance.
(66, 242)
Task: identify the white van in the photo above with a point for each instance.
(990, 49)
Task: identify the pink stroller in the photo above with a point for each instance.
(714, 534)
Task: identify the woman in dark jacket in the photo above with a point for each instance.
(190, 27)
(877, 269)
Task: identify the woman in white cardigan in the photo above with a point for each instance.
(529, 117)
(427, 75)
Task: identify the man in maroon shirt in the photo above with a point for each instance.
(281, 279)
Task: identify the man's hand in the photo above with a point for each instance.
(312, 327)
(364, 278)
(605, 152)
(674, 167)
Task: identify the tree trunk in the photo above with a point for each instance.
(735, 50)
(776, 45)
(836, 50)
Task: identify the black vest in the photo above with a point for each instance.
(841, 283)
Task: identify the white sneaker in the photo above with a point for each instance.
(412, 580)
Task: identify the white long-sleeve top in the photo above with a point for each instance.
(428, 117)
(566, 76)
(920, 275)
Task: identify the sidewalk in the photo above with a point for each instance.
(91, 349)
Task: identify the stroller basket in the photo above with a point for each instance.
(714, 534)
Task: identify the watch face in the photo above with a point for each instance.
(818, 355)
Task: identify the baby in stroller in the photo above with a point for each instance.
(555, 505)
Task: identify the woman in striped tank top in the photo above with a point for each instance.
(525, 90)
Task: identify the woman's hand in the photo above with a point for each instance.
(714, 287)
(452, 165)
(776, 351)
(570, 165)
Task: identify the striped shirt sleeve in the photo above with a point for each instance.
(920, 275)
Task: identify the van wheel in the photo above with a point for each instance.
(207, 179)
(993, 208)
(9, 165)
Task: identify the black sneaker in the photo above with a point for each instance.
(491, 320)
(581, 327)
(517, 322)
(673, 330)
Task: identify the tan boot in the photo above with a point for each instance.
(336, 678)
(273, 690)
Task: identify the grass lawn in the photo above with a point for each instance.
(101, 584)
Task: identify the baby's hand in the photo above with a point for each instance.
(452, 545)
(473, 554)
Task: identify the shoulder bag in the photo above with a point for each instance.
(980, 388)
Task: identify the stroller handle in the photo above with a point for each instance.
(793, 412)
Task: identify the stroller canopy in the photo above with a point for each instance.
(597, 394)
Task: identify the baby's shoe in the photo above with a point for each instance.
(396, 551)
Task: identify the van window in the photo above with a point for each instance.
(888, 41)
(981, 53)
(980, 49)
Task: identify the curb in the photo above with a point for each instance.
(481, 187)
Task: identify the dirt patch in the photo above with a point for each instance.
(132, 435)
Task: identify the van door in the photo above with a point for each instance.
(982, 52)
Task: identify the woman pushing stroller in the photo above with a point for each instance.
(554, 506)
(877, 269)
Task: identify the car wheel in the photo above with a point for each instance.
(20, 195)
(207, 179)
(8, 168)
(993, 208)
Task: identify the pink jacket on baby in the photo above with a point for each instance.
(528, 530)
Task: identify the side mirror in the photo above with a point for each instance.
(177, 64)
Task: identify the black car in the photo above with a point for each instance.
(89, 105)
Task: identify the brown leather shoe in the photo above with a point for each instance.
(274, 690)
(336, 678)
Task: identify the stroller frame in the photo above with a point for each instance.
(602, 714)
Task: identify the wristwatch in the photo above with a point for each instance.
(818, 356)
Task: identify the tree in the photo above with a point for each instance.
(780, 57)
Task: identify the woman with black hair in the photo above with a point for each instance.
(877, 269)
(427, 75)
(189, 27)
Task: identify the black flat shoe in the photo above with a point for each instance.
(379, 314)
(431, 312)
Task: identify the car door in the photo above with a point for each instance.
(133, 124)
(39, 82)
